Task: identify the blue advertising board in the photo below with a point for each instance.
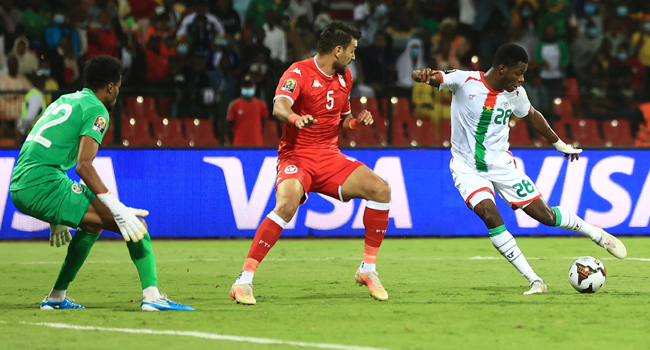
(226, 193)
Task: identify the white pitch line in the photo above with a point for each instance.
(203, 335)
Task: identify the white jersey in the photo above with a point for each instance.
(479, 117)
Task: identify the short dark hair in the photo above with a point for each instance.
(102, 70)
(336, 34)
(509, 55)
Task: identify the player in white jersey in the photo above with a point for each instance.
(481, 105)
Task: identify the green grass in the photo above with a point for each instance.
(439, 297)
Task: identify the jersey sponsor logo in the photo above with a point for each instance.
(297, 71)
(316, 83)
(100, 125)
(291, 169)
(76, 188)
(289, 85)
(341, 80)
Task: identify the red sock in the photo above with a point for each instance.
(375, 220)
(267, 234)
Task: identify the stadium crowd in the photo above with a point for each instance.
(218, 62)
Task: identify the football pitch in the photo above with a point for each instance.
(444, 294)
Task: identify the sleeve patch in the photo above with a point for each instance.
(289, 85)
(448, 71)
(100, 125)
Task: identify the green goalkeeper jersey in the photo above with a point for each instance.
(51, 147)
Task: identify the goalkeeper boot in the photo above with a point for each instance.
(243, 294)
(371, 280)
(612, 244)
(537, 287)
(67, 303)
(163, 304)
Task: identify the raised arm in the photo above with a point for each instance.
(536, 120)
(427, 76)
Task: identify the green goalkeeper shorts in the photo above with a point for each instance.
(61, 202)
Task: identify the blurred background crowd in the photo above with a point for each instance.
(203, 73)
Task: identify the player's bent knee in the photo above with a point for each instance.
(286, 209)
(379, 192)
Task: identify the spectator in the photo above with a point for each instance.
(458, 46)
(256, 12)
(401, 30)
(172, 12)
(492, 25)
(255, 49)
(380, 63)
(157, 62)
(78, 21)
(554, 12)
(54, 32)
(523, 32)
(229, 18)
(33, 104)
(552, 55)
(35, 21)
(625, 65)
(369, 17)
(12, 103)
(102, 39)
(641, 44)
(160, 27)
(195, 98)
(134, 59)
(359, 88)
(538, 95)
(200, 27)
(299, 8)
(466, 19)
(141, 11)
(340, 10)
(100, 6)
(301, 41)
(275, 38)
(590, 15)
(585, 48)
(410, 59)
(621, 17)
(614, 37)
(50, 83)
(69, 63)
(13, 19)
(426, 16)
(444, 57)
(27, 61)
(247, 116)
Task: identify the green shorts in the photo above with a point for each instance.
(62, 202)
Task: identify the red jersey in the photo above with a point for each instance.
(247, 117)
(324, 97)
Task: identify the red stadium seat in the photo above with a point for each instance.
(364, 136)
(572, 92)
(135, 132)
(163, 106)
(370, 104)
(617, 133)
(423, 132)
(344, 141)
(400, 133)
(200, 132)
(564, 109)
(141, 107)
(169, 132)
(444, 125)
(519, 134)
(401, 109)
(270, 136)
(585, 132)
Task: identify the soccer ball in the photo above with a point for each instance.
(587, 274)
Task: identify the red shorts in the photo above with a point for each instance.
(320, 171)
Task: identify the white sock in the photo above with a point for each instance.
(245, 277)
(56, 296)
(567, 220)
(150, 293)
(507, 246)
(365, 267)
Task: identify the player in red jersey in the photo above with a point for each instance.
(312, 99)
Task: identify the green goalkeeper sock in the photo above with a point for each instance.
(78, 251)
(144, 260)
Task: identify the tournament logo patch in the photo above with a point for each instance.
(291, 169)
(289, 85)
(506, 105)
(76, 188)
(448, 71)
(100, 125)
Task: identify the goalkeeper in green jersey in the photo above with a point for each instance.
(69, 133)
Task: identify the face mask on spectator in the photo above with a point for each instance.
(43, 72)
(59, 18)
(248, 92)
(621, 11)
(182, 49)
(415, 52)
(527, 13)
(105, 26)
(593, 31)
(646, 26)
(622, 56)
(590, 9)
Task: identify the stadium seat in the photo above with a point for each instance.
(572, 93)
(343, 138)
(423, 132)
(164, 106)
(519, 134)
(401, 109)
(363, 137)
(444, 125)
(400, 133)
(617, 132)
(135, 132)
(370, 104)
(200, 132)
(270, 136)
(564, 109)
(585, 132)
(7, 141)
(141, 107)
(381, 130)
(169, 132)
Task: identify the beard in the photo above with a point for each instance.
(340, 68)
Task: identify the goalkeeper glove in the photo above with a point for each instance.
(59, 235)
(126, 218)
